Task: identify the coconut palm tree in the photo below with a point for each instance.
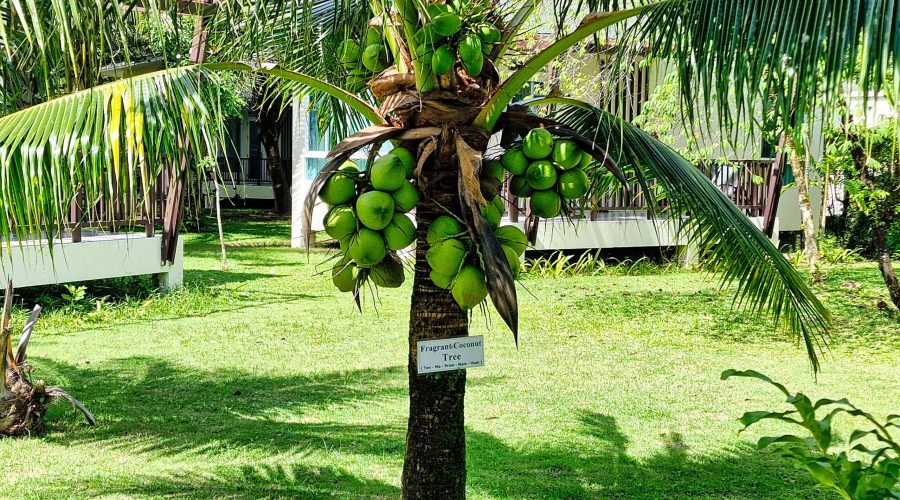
(65, 130)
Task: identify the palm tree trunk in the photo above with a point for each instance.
(807, 223)
(435, 462)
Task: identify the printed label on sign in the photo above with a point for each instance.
(450, 354)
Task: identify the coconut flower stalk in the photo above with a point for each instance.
(24, 403)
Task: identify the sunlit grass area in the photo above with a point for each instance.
(264, 381)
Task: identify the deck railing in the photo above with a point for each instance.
(744, 181)
(253, 170)
(115, 216)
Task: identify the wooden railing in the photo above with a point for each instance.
(744, 181)
(253, 170)
(117, 216)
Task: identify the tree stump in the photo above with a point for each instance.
(23, 403)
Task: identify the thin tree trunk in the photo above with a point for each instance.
(219, 222)
(269, 123)
(823, 210)
(877, 221)
(435, 463)
(807, 223)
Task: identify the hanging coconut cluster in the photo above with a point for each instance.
(550, 172)
(455, 263)
(367, 216)
(452, 33)
(365, 57)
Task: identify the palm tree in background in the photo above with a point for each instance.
(64, 130)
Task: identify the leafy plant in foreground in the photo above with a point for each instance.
(870, 469)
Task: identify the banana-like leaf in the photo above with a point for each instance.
(728, 241)
(506, 92)
(500, 283)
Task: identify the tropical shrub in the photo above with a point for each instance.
(868, 469)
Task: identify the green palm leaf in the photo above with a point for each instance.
(112, 141)
(728, 241)
(507, 91)
(787, 56)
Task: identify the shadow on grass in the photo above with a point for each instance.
(149, 407)
(598, 466)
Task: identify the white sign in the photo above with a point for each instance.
(450, 354)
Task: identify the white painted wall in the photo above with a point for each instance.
(95, 257)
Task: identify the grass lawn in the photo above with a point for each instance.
(266, 382)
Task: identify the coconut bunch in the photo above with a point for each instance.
(455, 263)
(549, 172)
(453, 34)
(365, 56)
(367, 216)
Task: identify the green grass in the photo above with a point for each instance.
(266, 382)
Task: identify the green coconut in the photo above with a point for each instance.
(515, 161)
(442, 228)
(493, 168)
(443, 60)
(349, 167)
(446, 257)
(366, 248)
(488, 33)
(541, 175)
(400, 233)
(340, 222)
(500, 203)
(512, 237)
(513, 258)
(348, 51)
(566, 154)
(374, 58)
(441, 280)
(518, 186)
(425, 35)
(491, 214)
(538, 144)
(374, 35)
(407, 158)
(338, 189)
(406, 197)
(586, 160)
(388, 273)
(545, 203)
(387, 173)
(573, 183)
(343, 275)
(375, 209)
(470, 54)
(344, 243)
(436, 9)
(446, 24)
(469, 288)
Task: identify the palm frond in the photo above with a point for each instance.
(300, 35)
(109, 142)
(785, 57)
(727, 240)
